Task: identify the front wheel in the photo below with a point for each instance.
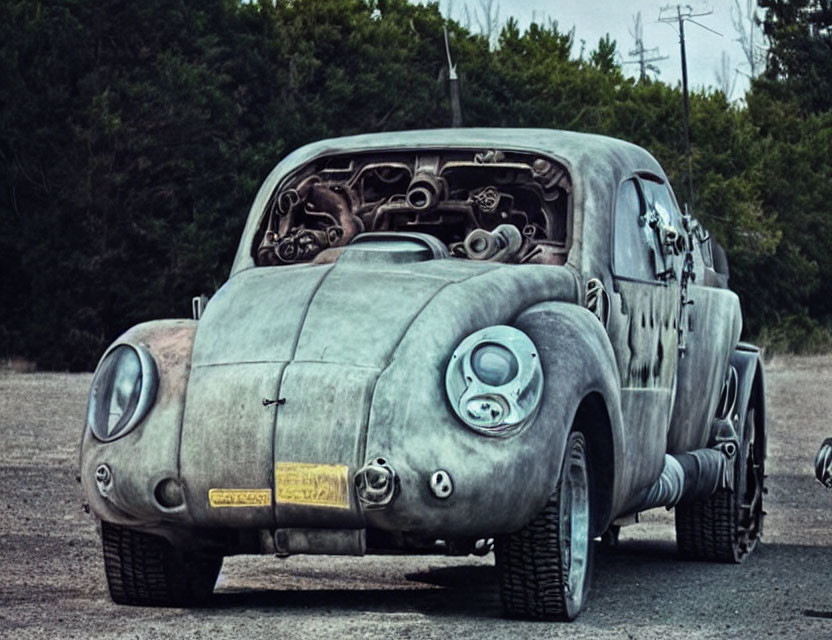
(727, 526)
(143, 569)
(544, 569)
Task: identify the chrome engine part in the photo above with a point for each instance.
(376, 484)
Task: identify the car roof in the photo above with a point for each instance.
(596, 163)
(574, 148)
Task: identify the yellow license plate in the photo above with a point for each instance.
(319, 485)
(240, 497)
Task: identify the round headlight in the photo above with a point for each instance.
(494, 364)
(494, 380)
(122, 391)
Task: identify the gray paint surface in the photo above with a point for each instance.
(358, 350)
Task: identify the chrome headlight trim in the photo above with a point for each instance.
(486, 407)
(102, 392)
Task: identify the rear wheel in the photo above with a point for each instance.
(544, 569)
(727, 526)
(143, 569)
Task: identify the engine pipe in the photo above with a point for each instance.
(688, 477)
(425, 191)
(502, 243)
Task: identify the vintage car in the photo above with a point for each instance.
(445, 341)
(823, 464)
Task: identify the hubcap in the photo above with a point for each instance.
(574, 524)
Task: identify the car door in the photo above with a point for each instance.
(709, 329)
(644, 316)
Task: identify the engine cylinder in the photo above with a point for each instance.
(425, 191)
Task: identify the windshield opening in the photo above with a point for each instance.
(484, 205)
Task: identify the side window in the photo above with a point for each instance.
(658, 199)
(707, 249)
(634, 242)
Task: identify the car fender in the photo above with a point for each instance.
(750, 383)
(149, 452)
(579, 368)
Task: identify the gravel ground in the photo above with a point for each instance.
(52, 583)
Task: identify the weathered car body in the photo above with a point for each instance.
(324, 400)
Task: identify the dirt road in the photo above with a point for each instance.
(52, 582)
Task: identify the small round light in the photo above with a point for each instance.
(168, 494)
(486, 411)
(494, 364)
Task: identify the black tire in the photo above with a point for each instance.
(143, 569)
(823, 464)
(727, 526)
(544, 569)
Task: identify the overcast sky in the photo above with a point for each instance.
(594, 18)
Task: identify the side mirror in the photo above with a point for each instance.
(198, 305)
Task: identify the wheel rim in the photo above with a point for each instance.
(750, 495)
(574, 525)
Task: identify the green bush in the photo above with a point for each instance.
(133, 137)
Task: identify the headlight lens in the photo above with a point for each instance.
(494, 364)
(494, 380)
(122, 391)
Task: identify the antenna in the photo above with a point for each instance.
(680, 14)
(644, 57)
(453, 82)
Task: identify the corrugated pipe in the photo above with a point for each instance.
(688, 477)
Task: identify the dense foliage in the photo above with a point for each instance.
(133, 136)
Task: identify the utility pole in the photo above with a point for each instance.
(453, 85)
(686, 99)
(644, 57)
(685, 13)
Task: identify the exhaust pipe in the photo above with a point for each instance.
(695, 475)
(688, 477)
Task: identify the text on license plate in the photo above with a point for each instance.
(320, 485)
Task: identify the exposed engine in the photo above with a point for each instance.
(487, 205)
